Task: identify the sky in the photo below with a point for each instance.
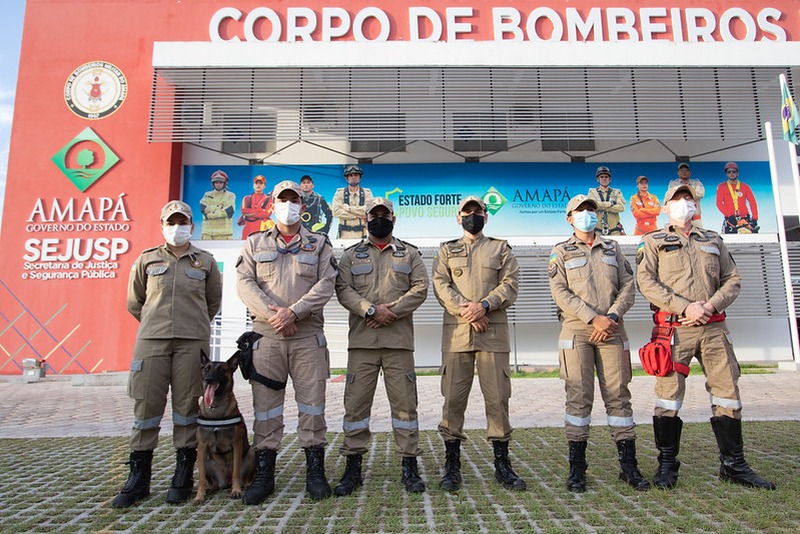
(11, 16)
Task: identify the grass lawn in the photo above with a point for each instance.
(66, 485)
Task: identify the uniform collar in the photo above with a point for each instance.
(598, 240)
(471, 239)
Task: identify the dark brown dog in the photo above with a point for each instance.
(224, 456)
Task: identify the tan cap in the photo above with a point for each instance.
(280, 187)
(642, 179)
(380, 201)
(680, 187)
(176, 206)
(472, 198)
(577, 200)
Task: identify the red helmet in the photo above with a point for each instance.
(219, 176)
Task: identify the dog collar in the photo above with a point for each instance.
(211, 423)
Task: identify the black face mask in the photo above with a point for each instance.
(472, 223)
(380, 227)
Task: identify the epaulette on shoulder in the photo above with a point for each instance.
(151, 249)
(710, 233)
(406, 243)
(354, 245)
(561, 243)
(204, 251)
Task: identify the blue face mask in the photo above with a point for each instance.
(585, 221)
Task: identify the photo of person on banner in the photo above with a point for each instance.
(733, 199)
(256, 209)
(217, 207)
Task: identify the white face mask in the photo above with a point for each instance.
(287, 213)
(681, 211)
(585, 221)
(177, 234)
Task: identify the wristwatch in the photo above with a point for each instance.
(485, 305)
(614, 317)
(370, 311)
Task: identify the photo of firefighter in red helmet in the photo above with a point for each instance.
(217, 207)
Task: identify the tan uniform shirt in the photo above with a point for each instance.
(675, 270)
(369, 275)
(299, 275)
(174, 298)
(353, 215)
(589, 281)
(472, 270)
(610, 204)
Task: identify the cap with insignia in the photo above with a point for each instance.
(280, 187)
(577, 200)
(380, 201)
(176, 206)
(680, 187)
(472, 198)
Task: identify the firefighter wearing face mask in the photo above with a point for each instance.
(382, 280)
(475, 279)
(690, 279)
(174, 291)
(592, 285)
(285, 276)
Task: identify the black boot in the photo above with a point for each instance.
(411, 480)
(264, 479)
(351, 479)
(183, 480)
(502, 468)
(316, 484)
(451, 480)
(576, 482)
(667, 433)
(733, 467)
(138, 484)
(629, 467)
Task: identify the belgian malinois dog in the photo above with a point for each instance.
(224, 456)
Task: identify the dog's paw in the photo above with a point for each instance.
(236, 494)
(199, 499)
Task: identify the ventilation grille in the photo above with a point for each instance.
(565, 106)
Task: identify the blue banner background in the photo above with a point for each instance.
(526, 199)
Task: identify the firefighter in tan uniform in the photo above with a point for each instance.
(382, 280)
(349, 205)
(690, 278)
(475, 279)
(174, 292)
(592, 285)
(610, 203)
(285, 276)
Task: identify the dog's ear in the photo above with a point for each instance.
(233, 361)
(203, 358)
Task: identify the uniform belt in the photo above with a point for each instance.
(662, 317)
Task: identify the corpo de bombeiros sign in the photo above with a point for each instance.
(536, 22)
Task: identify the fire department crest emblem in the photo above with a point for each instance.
(95, 90)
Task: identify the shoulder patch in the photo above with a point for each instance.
(659, 235)
(710, 234)
(553, 257)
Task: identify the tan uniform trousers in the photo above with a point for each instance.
(458, 372)
(363, 366)
(712, 347)
(306, 361)
(157, 365)
(579, 358)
